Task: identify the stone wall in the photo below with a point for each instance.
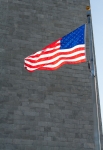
(44, 110)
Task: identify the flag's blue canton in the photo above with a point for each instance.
(74, 38)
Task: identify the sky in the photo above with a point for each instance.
(97, 21)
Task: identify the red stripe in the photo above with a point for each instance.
(69, 52)
(55, 62)
(54, 68)
(43, 52)
(55, 55)
(53, 44)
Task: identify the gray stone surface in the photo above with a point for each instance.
(44, 110)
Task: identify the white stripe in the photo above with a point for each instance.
(72, 60)
(30, 69)
(33, 54)
(48, 49)
(54, 59)
(70, 49)
(75, 47)
(57, 64)
(58, 41)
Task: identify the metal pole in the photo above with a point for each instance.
(93, 83)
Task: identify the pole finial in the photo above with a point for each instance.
(87, 7)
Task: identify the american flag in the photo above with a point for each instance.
(69, 49)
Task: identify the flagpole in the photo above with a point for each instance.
(93, 83)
